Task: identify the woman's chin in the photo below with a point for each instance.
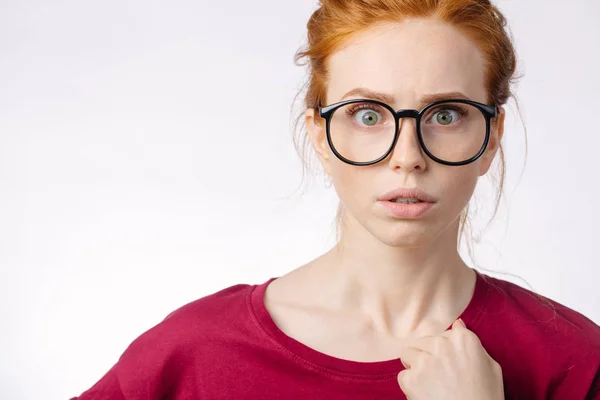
(406, 241)
(406, 236)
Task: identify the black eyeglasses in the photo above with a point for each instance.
(450, 132)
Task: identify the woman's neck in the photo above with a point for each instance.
(401, 289)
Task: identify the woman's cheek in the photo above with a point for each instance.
(459, 186)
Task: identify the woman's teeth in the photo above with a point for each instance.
(407, 201)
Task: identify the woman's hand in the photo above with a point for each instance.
(453, 365)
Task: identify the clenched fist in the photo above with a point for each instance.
(452, 365)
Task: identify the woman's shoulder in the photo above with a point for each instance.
(521, 305)
(205, 319)
(538, 339)
(194, 324)
(228, 300)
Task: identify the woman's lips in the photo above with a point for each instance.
(404, 210)
(408, 193)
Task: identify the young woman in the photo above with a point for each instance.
(404, 110)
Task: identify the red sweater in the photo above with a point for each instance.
(226, 346)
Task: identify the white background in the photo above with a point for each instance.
(146, 161)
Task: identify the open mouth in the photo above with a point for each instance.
(402, 200)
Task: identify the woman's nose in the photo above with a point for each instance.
(407, 153)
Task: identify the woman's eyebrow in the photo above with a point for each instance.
(430, 98)
(370, 94)
(389, 99)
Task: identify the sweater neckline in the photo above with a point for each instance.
(341, 367)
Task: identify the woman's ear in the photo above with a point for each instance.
(496, 133)
(315, 128)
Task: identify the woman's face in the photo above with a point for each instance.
(408, 62)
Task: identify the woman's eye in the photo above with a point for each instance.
(368, 117)
(446, 117)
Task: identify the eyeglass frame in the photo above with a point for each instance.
(489, 112)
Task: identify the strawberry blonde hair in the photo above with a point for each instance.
(336, 21)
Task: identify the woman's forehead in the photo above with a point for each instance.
(407, 60)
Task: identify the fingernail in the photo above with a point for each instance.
(462, 322)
